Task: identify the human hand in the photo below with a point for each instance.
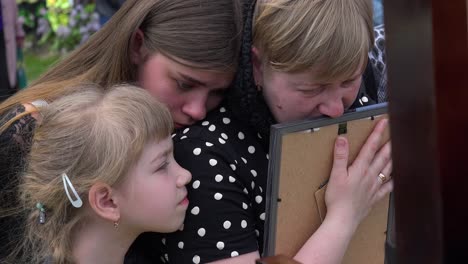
(353, 190)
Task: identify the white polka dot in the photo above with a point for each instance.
(262, 216)
(220, 245)
(236, 161)
(232, 179)
(254, 173)
(258, 135)
(227, 224)
(226, 120)
(222, 141)
(244, 224)
(245, 191)
(224, 136)
(365, 99)
(222, 109)
(186, 130)
(261, 190)
(208, 144)
(195, 210)
(212, 128)
(180, 245)
(201, 232)
(218, 178)
(196, 184)
(197, 151)
(267, 156)
(233, 167)
(257, 232)
(173, 135)
(213, 162)
(234, 254)
(245, 206)
(218, 196)
(166, 256)
(251, 149)
(253, 185)
(205, 123)
(244, 160)
(184, 137)
(241, 135)
(196, 259)
(258, 199)
(163, 241)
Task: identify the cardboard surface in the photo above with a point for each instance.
(306, 162)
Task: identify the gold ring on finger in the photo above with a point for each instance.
(382, 178)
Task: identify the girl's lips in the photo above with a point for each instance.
(184, 201)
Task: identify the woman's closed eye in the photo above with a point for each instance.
(184, 86)
(313, 91)
(349, 83)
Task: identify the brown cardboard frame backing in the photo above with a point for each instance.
(304, 149)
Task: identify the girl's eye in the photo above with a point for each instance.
(163, 166)
(184, 86)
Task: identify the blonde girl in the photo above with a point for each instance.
(100, 172)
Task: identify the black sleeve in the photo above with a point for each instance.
(220, 220)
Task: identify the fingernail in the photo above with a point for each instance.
(340, 142)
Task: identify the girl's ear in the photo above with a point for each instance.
(257, 66)
(103, 203)
(137, 48)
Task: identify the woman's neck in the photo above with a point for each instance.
(101, 242)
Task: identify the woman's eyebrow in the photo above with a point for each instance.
(192, 80)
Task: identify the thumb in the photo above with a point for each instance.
(340, 156)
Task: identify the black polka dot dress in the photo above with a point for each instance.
(226, 214)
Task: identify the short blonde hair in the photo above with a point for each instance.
(92, 135)
(332, 35)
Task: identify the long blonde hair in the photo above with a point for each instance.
(204, 33)
(332, 35)
(93, 135)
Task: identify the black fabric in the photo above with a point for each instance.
(15, 143)
(226, 213)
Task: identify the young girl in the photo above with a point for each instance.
(100, 172)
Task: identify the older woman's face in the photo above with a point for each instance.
(188, 93)
(296, 96)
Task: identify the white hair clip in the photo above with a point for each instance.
(77, 203)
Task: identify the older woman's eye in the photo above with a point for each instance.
(313, 92)
(348, 83)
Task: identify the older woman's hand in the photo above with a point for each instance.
(353, 190)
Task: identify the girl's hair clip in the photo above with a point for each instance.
(42, 216)
(77, 202)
